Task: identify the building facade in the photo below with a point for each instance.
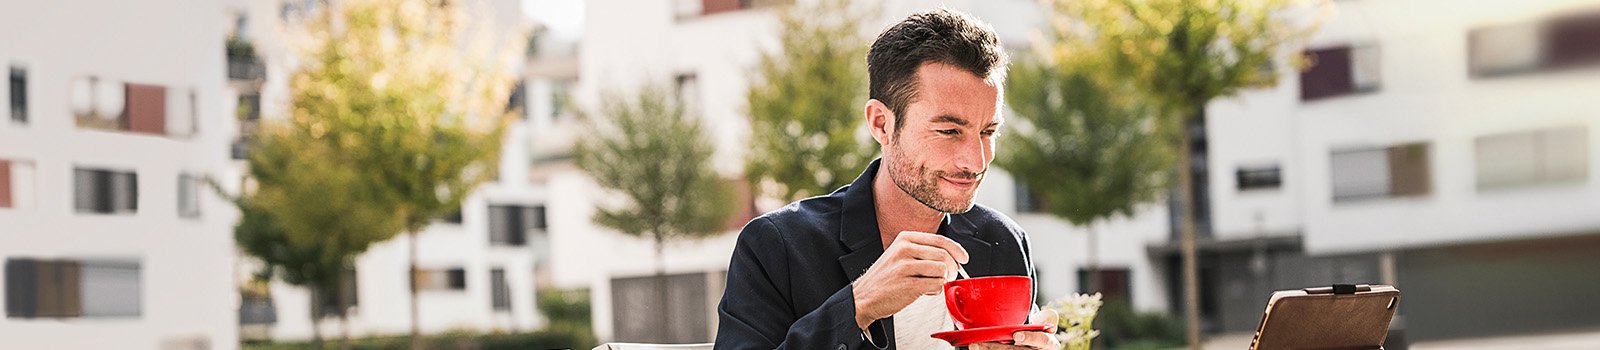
(107, 235)
(477, 268)
(1435, 150)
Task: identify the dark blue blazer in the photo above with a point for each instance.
(789, 280)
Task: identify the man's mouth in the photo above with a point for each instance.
(960, 182)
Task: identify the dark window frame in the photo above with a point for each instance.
(103, 187)
(1264, 177)
(499, 290)
(18, 94)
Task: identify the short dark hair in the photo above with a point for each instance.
(937, 36)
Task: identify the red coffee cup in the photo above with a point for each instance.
(989, 301)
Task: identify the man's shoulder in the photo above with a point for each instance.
(810, 216)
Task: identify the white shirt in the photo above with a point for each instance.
(925, 316)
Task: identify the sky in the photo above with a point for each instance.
(563, 17)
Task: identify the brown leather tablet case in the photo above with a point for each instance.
(1339, 317)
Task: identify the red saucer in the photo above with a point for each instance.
(1002, 334)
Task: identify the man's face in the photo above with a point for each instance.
(941, 153)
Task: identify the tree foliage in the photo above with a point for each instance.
(657, 158)
(1185, 53)
(805, 106)
(1087, 144)
(415, 97)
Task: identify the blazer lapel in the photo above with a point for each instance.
(858, 225)
(961, 230)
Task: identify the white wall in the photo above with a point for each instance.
(185, 264)
(1428, 96)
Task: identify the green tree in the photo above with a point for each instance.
(1084, 143)
(414, 98)
(657, 158)
(649, 150)
(805, 106)
(309, 215)
(1184, 54)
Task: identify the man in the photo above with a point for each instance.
(863, 267)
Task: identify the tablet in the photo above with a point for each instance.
(1342, 316)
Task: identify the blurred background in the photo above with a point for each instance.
(224, 174)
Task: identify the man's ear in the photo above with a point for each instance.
(880, 121)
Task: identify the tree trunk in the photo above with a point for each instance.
(316, 317)
(344, 311)
(1191, 273)
(661, 286)
(416, 320)
(1094, 261)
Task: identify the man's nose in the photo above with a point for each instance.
(971, 157)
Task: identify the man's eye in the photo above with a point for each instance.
(989, 132)
(948, 131)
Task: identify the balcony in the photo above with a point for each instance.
(243, 64)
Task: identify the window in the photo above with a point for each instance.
(441, 279)
(332, 302)
(559, 99)
(1338, 71)
(453, 217)
(19, 94)
(1561, 42)
(5, 185)
(1028, 201)
(1259, 177)
(509, 224)
(16, 184)
(1570, 40)
(500, 292)
(518, 102)
(105, 191)
(682, 306)
(243, 64)
(1113, 283)
(688, 90)
(185, 124)
(1396, 171)
(249, 107)
(1518, 159)
(1503, 50)
(69, 288)
(188, 196)
(103, 104)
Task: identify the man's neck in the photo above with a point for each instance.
(897, 211)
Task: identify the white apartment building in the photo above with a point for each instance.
(478, 267)
(107, 236)
(1436, 146)
(1444, 148)
(709, 50)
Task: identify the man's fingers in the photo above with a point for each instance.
(1036, 340)
(924, 268)
(993, 346)
(927, 252)
(930, 253)
(937, 241)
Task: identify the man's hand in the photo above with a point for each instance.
(915, 264)
(1029, 340)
